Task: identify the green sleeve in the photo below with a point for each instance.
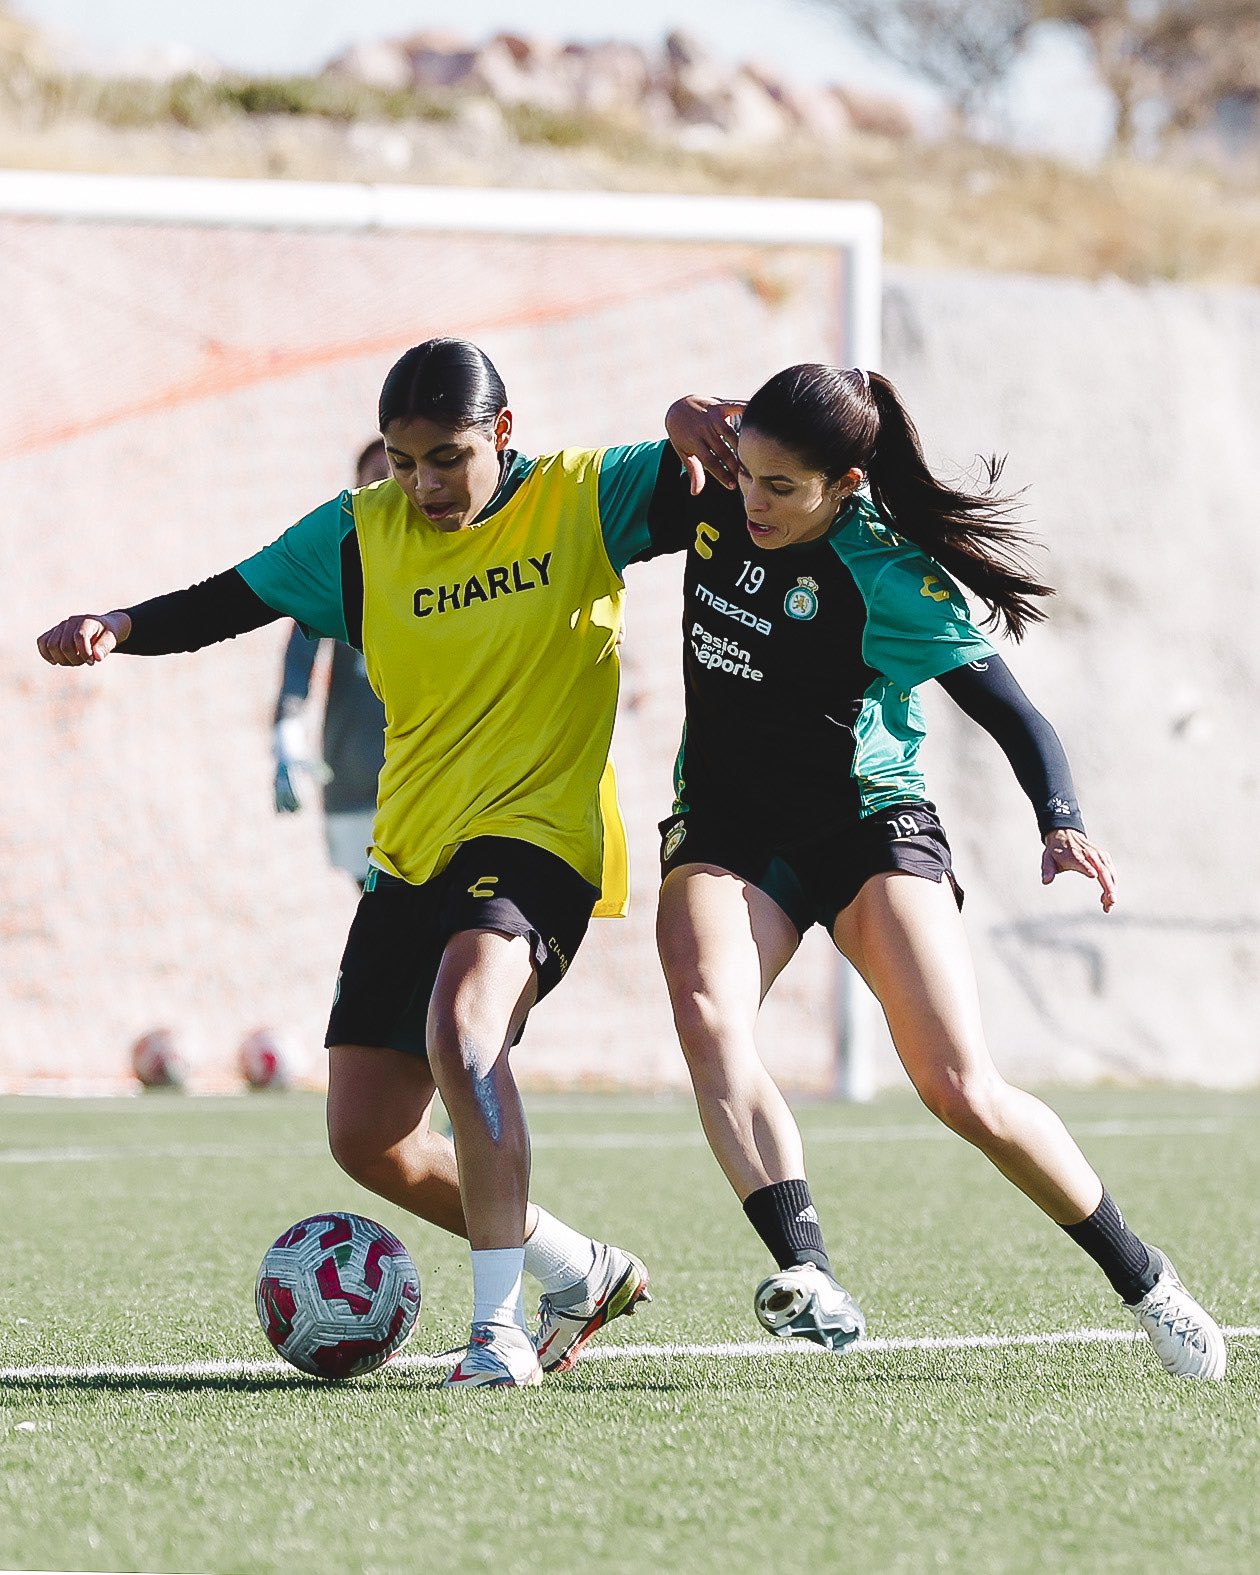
(300, 572)
(627, 482)
(918, 625)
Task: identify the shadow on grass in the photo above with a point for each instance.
(595, 1378)
(846, 1378)
(399, 1385)
(121, 1383)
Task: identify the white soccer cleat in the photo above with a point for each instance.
(494, 1360)
(804, 1303)
(1186, 1338)
(567, 1319)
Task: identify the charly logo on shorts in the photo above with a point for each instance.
(801, 602)
(673, 839)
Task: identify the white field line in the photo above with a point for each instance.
(595, 1140)
(772, 1349)
(165, 1151)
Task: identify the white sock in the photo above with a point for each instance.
(557, 1255)
(498, 1295)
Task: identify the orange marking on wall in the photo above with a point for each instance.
(228, 370)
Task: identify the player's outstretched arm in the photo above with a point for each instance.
(300, 574)
(85, 639)
(990, 695)
(216, 609)
(703, 436)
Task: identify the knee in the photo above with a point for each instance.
(452, 1036)
(718, 1046)
(458, 1057)
(369, 1154)
(358, 1148)
(698, 1019)
(466, 1034)
(972, 1107)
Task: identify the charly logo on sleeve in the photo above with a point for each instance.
(801, 602)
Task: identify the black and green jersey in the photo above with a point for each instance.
(801, 665)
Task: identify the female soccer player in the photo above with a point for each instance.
(485, 592)
(814, 609)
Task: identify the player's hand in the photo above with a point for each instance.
(1072, 851)
(85, 639)
(703, 434)
(288, 798)
(295, 770)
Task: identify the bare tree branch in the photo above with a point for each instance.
(1182, 57)
(963, 47)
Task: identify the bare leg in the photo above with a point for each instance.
(380, 1103)
(485, 987)
(905, 937)
(722, 944)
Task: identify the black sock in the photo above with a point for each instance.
(1120, 1254)
(783, 1215)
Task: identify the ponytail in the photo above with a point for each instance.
(840, 419)
(968, 533)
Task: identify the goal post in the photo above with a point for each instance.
(192, 364)
(855, 228)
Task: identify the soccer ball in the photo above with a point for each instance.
(266, 1059)
(337, 1295)
(157, 1061)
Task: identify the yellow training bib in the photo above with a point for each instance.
(494, 649)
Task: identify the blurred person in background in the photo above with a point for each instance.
(820, 591)
(353, 733)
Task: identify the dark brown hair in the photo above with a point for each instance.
(449, 381)
(836, 419)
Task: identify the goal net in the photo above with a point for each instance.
(191, 365)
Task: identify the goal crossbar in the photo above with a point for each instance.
(854, 227)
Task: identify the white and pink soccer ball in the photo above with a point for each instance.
(268, 1059)
(157, 1060)
(337, 1295)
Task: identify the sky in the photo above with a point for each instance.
(1054, 104)
(296, 35)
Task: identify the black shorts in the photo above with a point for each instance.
(400, 931)
(813, 878)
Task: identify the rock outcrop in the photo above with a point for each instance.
(680, 92)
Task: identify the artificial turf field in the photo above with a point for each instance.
(131, 1231)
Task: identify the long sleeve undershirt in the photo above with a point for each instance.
(216, 609)
(224, 606)
(988, 693)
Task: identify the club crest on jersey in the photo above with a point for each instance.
(673, 840)
(801, 602)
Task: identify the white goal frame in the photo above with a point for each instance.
(855, 229)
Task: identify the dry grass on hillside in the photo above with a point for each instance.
(946, 205)
(963, 205)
